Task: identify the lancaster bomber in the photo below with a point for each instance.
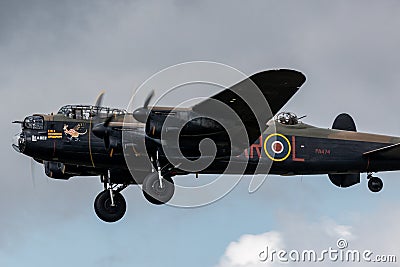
(248, 132)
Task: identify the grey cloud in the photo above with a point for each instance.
(54, 53)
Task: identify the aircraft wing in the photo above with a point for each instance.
(249, 98)
(387, 152)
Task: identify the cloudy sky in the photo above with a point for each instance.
(63, 52)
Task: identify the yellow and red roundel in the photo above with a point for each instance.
(277, 147)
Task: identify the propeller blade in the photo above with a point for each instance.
(141, 114)
(99, 99)
(148, 99)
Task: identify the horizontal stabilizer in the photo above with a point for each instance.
(387, 152)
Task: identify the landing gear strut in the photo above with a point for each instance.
(158, 187)
(375, 184)
(110, 205)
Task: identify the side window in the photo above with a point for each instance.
(86, 114)
(78, 114)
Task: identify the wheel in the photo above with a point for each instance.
(105, 211)
(375, 184)
(154, 193)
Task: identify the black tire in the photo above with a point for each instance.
(375, 184)
(154, 193)
(104, 210)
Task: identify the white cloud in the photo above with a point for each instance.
(245, 251)
(366, 233)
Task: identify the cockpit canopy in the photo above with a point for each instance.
(287, 118)
(85, 112)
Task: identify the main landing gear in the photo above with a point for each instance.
(375, 184)
(158, 187)
(110, 205)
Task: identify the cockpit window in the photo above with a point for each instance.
(86, 112)
(34, 122)
(287, 118)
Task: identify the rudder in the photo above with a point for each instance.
(346, 123)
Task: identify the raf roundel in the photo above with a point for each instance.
(277, 147)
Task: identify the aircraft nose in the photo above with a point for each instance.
(19, 142)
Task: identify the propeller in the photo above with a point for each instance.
(94, 115)
(141, 114)
(101, 129)
(98, 128)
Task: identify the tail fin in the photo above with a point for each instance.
(344, 180)
(344, 122)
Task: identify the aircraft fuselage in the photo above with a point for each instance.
(293, 150)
